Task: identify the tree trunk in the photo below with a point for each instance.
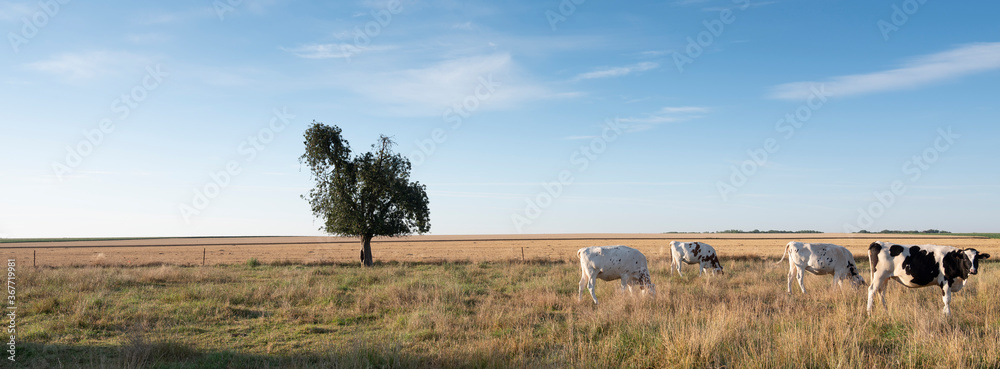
(366, 250)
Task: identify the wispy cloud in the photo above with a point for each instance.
(13, 11)
(652, 53)
(958, 62)
(684, 109)
(668, 114)
(468, 26)
(87, 65)
(430, 89)
(617, 71)
(738, 5)
(689, 2)
(333, 51)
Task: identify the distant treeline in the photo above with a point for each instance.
(930, 231)
(894, 231)
(755, 231)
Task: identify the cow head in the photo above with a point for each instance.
(856, 279)
(716, 265)
(646, 285)
(971, 260)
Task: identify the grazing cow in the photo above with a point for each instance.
(693, 253)
(821, 259)
(915, 266)
(614, 262)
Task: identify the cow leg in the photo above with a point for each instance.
(871, 293)
(881, 292)
(590, 286)
(791, 274)
(878, 286)
(946, 296)
(679, 262)
(583, 284)
(701, 267)
(837, 278)
(800, 274)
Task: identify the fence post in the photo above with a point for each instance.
(204, 253)
(522, 254)
(34, 256)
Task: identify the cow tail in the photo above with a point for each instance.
(783, 254)
(671, 258)
(873, 261)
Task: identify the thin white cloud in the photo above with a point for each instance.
(738, 5)
(958, 62)
(684, 109)
(468, 26)
(334, 50)
(87, 65)
(490, 81)
(668, 114)
(617, 71)
(653, 52)
(148, 38)
(689, 2)
(11, 11)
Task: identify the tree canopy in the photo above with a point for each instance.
(369, 195)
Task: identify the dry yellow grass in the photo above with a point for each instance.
(189, 251)
(489, 315)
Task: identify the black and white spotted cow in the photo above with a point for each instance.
(614, 262)
(821, 259)
(915, 266)
(699, 253)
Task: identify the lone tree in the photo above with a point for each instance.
(366, 196)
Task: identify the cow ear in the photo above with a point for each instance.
(984, 256)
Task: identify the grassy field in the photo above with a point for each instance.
(487, 314)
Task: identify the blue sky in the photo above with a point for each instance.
(186, 118)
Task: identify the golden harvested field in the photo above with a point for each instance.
(235, 250)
